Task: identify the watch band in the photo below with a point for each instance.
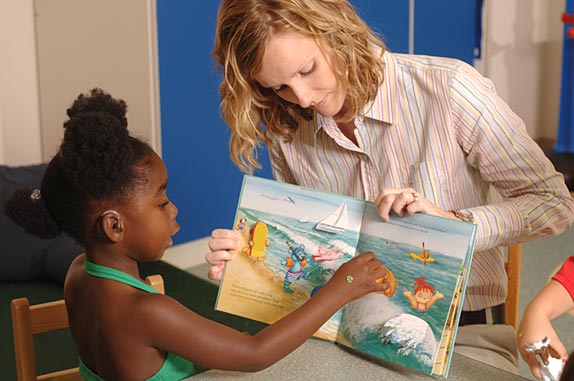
(463, 215)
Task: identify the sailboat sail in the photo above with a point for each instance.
(336, 222)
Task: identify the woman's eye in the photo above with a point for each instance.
(311, 70)
(164, 204)
(279, 89)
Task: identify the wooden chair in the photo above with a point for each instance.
(513, 266)
(28, 321)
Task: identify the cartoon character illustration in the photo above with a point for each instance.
(258, 241)
(423, 297)
(296, 261)
(551, 364)
(327, 253)
(424, 256)
(241, 224)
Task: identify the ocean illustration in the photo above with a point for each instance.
(363, 321)
(297, 259)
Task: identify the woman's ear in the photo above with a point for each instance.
(110, 224)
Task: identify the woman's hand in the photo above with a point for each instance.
(358, 277)
(406, 200)
(221, 245)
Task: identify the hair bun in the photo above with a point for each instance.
(99, 101)
(96, 140)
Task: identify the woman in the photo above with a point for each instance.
(411, 133)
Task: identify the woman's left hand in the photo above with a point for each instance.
(406, 200)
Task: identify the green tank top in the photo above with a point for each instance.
(174, 367)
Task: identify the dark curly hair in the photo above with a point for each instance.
(97, 161)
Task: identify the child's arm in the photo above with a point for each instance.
(435, 297)
(409, 295)
(552, 301)
(174, 328)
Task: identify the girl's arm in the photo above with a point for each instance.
(552, 301)
(174, 328)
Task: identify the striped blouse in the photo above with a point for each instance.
(439, 127)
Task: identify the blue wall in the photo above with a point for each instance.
(203, 182)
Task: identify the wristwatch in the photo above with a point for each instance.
(464, 215)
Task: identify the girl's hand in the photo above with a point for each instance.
(221, 244)
(358, 277)
(401, 200)
(536, 325)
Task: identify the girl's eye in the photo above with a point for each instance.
(164, 204)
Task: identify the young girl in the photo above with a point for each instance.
(107, 189)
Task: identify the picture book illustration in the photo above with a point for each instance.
(292, 241)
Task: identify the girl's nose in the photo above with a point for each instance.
(174, 210)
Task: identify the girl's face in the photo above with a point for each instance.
(423, 295)
(150, 218)
(296, 68)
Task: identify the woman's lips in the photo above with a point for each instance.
(320, 104)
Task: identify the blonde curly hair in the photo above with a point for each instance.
(254, 114)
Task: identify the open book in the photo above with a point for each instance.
(294, 238)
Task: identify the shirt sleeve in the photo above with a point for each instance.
(536, 201)
(565, 276)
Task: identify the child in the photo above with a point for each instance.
(107, 190)
(555, 299)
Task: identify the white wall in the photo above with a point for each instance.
(19, 104)
(110, 44)
(523, 48)
(52, 50)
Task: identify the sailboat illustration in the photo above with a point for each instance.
(336, 222)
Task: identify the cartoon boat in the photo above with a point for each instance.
(258, 241)
(336, 222)
(423, 257)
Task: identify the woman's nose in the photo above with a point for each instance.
(303, 96)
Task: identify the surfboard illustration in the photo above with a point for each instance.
(258, 241)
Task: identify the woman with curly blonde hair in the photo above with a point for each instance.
(239, 49)
(413, 134)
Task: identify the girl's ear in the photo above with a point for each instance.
(110, 224)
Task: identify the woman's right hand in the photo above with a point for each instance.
(359, 276)
(221, 244)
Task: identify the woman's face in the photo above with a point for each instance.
(296, 68)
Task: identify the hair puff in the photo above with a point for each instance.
(31, 214)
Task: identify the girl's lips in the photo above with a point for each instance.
(170, 240)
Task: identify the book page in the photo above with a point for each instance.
(415, 322)
(293, 239)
